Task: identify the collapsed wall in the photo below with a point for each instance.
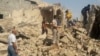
(26, 15)
(95, 30)
(49, 12)
(28, 21)
(93, 19)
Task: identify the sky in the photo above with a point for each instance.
(74, 5)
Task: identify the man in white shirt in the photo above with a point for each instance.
(55, 31)
(12, 47)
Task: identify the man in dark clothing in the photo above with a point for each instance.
(44, 27)
(85, 12)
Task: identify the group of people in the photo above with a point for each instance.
(54, 26)
(12, 46)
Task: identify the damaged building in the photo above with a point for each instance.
(49, 12)
(95, 27)
(93, 19)
(28, 15)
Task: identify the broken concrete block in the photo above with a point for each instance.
(43, 36)
(64, 40)
(79, 46)
(81, 30)
(69, 36)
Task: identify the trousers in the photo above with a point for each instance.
(11, 51)
(55, 36)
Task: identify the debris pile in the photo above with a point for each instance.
(79, 45)
(28, 21)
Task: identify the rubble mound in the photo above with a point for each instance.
(27, 19)
(74, 43)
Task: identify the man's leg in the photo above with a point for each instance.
(54, 36)
(58, 36)
(9, 54)
(11, 51)
(85, 20)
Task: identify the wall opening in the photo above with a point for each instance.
(1, 16)
(47, 13)
(59, 15)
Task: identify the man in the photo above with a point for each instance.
(68, 17)
(12, 47)
(44, 26)
(93, 21)
(55, 31)
(85, 12)
(68, 14)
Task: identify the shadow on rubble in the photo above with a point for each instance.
(20, 35)
(32, 2)
(47, 42)
(4, 42)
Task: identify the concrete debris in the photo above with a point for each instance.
(27, 18)
(64, 40)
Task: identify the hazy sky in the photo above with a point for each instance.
(74, 5)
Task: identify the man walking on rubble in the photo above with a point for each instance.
(55, 30)
(85, 14)
(68, 17)
(44, 26)
(12, 47)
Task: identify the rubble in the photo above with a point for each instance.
(72, 42)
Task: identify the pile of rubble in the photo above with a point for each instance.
(28, 19)
(74, 43)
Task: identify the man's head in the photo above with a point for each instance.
(67, 11)
(14, 31)
(88, 5)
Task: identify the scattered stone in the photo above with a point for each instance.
(27, 18)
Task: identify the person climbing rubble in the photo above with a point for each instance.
(55, 29)
(44, 26)
(68, 17)
(93, 21)
(85, 14)
(12, 46)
